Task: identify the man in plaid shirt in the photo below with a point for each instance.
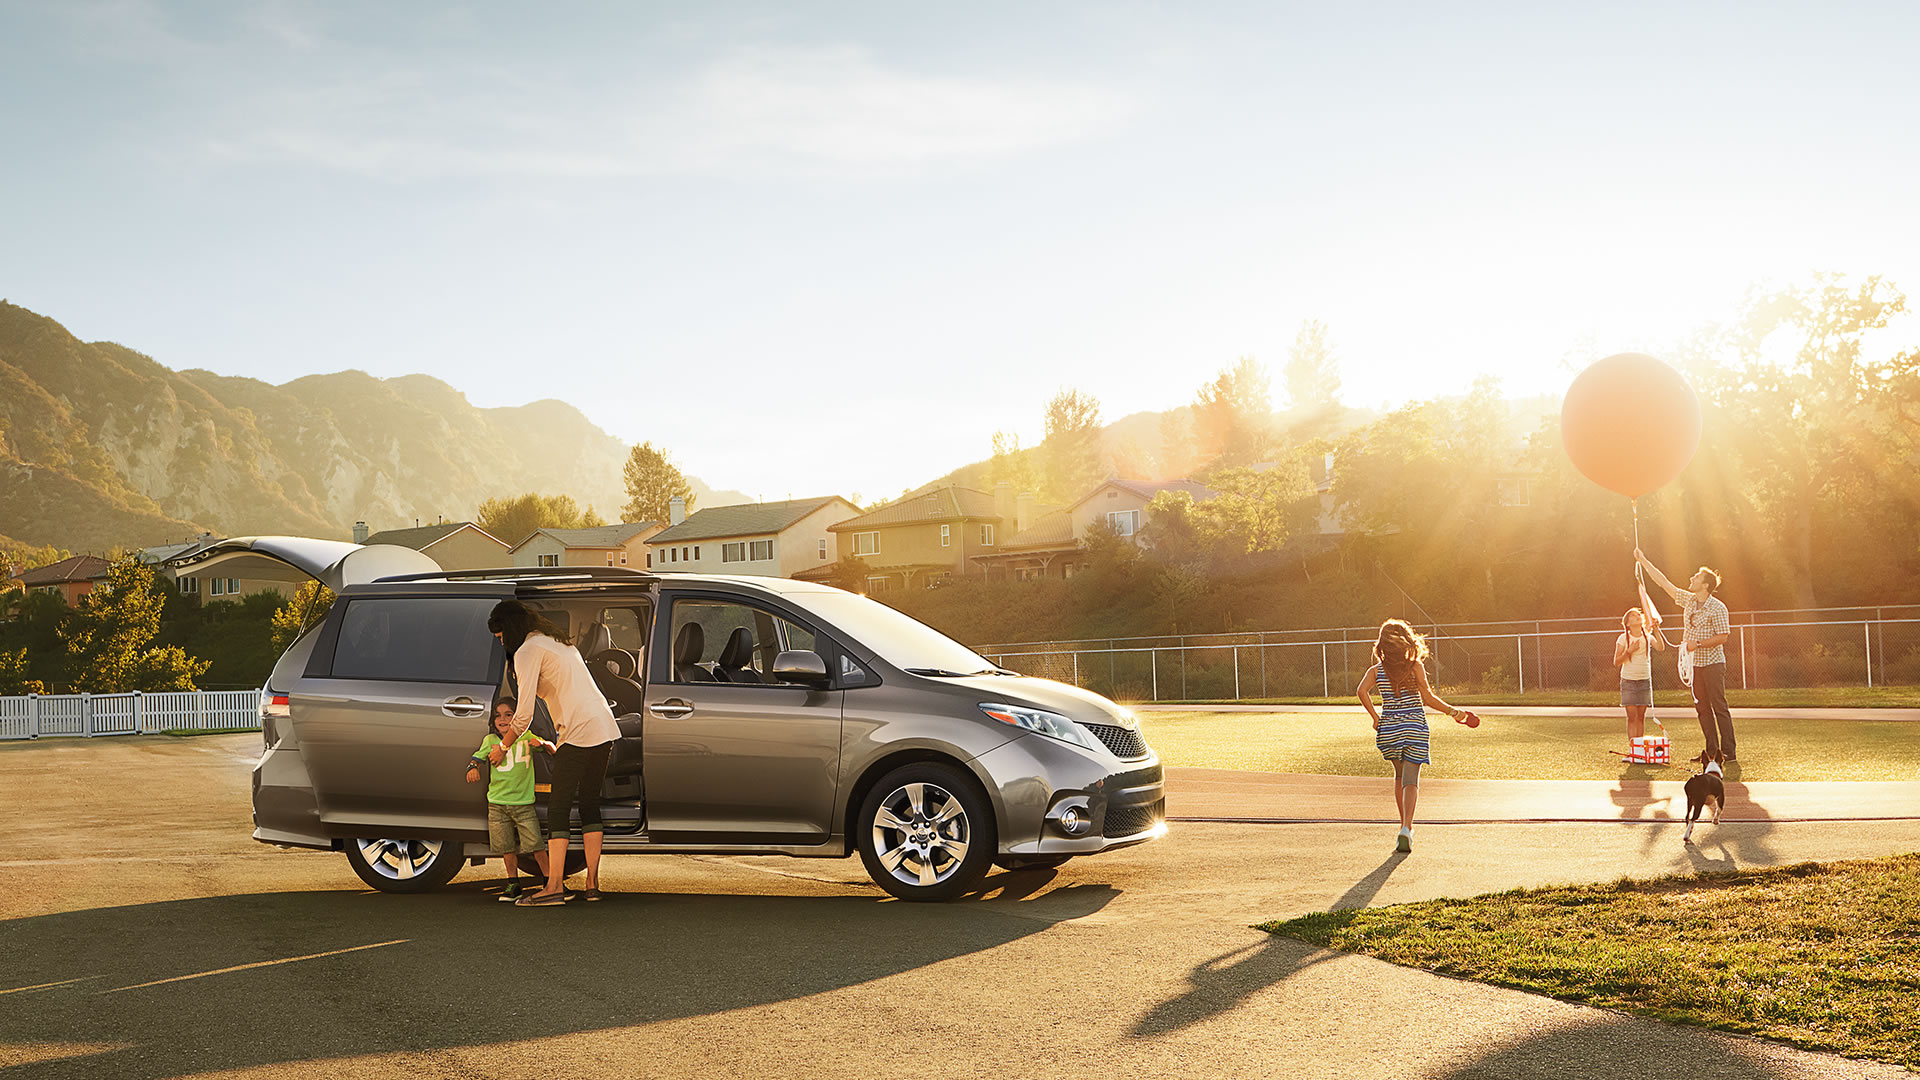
(1706, 634)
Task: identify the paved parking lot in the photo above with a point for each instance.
(144, 934)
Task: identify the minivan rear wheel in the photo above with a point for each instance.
(926, 832)
(405, 866)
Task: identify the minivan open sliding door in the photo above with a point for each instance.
(394, 701)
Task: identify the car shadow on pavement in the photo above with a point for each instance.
(191, 986)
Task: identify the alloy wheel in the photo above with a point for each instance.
(921, 833)
(399, 860)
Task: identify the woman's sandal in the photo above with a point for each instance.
(590, 895)
(534, 899)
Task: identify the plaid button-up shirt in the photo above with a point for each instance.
(1706, 618)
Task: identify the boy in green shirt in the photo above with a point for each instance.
(512, 826)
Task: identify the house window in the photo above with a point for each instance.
(696, 551)
(762, 550)
(946, 536)
(1124, 522)
(623, 556)
(189, 586)
(986, 536)
(649, 560)
(218, 588)
(733, 552)
(609, 558)
(673, 554)
(867, 543)
(823, 549)
(549, 560)
(876, 585)
(1514, 491)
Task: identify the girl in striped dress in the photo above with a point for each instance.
(1400, 722)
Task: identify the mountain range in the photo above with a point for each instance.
(103, 447)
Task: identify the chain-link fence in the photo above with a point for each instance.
(1780, 649)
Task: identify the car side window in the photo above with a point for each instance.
(627, 629)
(723, 641)
(416, 639)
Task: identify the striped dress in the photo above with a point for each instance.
(1403, 723)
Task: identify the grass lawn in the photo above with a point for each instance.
(1825, 957)
(1816, 697)
(1531, 747)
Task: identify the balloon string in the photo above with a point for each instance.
(1639, 578)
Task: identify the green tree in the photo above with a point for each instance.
(513, 519)
(109, 638)
(1071, 449)
(1313, 375)
(1233, 416)
(309, 605)
(1010, 464)
(14, 675)
(652, 482)
(1813, 432)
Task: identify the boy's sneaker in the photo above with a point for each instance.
(510, 893)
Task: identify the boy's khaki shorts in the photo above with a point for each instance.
(513, 828)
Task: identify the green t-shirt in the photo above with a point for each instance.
(510, 783)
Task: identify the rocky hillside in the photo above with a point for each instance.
(101, 446)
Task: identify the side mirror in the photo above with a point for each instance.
(800, 666)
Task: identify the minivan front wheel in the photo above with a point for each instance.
(926, 832)
(404, 866)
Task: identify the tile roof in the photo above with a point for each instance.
(940, 504)
(744, 519)
(1051, 529)
(77, 568)
(1147, 489)
(604, 536)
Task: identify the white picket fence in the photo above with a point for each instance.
(34, 716)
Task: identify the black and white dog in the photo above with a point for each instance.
(1703, 789)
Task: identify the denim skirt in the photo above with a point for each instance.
(1636, 691)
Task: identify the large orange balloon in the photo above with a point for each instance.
(1630, 423)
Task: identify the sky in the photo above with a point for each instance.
(831, 248)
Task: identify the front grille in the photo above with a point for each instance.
(1124, 742)
(1152, 774)
(1128, 820)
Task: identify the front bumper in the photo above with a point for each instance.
(1039, 780)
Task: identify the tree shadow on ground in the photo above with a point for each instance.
(286, 977)
(1624, 1048)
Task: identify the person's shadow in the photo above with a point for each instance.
(1221, 983)
(184, 987)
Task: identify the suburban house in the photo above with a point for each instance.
(605, 545)
(455, 545)
(923, 538)
(69, 579)
(1050, 542)
(167, 561)
(769, 539)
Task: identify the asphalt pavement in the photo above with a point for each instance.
(144, 934)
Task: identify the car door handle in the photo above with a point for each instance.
(462, 708)
(670, 709)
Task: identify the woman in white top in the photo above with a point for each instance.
(1631, 656)
(549, 668)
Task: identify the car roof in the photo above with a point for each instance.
(583, 579)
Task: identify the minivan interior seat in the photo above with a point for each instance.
(612, 669)
(688, 644)
(736, 660)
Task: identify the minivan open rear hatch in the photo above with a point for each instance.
(333, 563)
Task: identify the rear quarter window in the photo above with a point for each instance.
(416, 639)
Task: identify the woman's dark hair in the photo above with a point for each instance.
(513, 621)
(1399, 649)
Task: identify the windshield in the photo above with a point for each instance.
(899, 640)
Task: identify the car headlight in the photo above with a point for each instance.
(1052, 725)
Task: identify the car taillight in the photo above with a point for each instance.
(273, 705)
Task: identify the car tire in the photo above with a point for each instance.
(926, 832)
(405, 866)
(1030, 862)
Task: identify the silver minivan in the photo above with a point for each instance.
(757, 716)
